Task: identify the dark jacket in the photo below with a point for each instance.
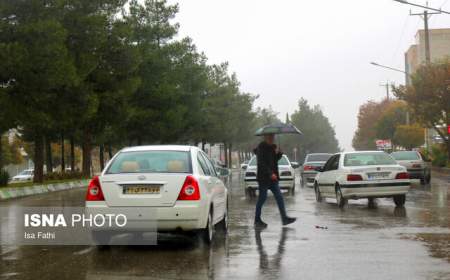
(267, 162)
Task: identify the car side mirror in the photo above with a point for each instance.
(244, 166)
(223, 171)
(295, 164)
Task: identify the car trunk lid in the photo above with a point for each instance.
(144, 189)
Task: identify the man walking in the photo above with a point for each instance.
(267, 156)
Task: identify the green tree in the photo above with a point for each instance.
(368, 116)
(35, 44)
(392, 116)
(409, 136)
(318, 133)
(428, 96)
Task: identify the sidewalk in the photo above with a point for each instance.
(14, 192)
(442, 170)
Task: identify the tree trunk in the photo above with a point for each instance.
(38, 159)
(230, 160)
(48, 152)
(1, 151)
(225, 147)
(110, 155)
(72, 154)
(86, 146)
(102, 157)
(63, 156)
(448, 150)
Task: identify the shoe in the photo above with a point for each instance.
(288, 220)
(260, 224)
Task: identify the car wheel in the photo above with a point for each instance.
(371, 202)
(428, 178)
(293, 190)
(223, 224)
(101, 239)
(399, 200)
(317, 192)
(207, 233)
(302, 182)
(341, 201)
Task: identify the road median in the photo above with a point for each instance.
(15, 192)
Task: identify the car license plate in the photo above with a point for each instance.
(141, 189)
(378, 175)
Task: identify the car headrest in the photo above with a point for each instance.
(175, 166)
(129, 167)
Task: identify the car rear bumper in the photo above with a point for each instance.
(284, 183)
(416, 173)
(309, 178)
(185, 216)
(374, 190)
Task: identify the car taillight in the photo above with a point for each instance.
(190, 189)
(354, 177)
(308, 167)
(94, 190)
(402, 175)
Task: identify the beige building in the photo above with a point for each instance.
(439, 49)
(415, 56)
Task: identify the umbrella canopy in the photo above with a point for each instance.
(279, 128)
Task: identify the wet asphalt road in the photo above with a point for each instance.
(359, 243)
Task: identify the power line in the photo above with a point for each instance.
(421, 6)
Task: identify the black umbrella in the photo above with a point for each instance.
(279, 128)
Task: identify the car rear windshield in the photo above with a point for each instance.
(360, 159)
(407, 155)
(151, 162)
(317, 157)
(283, 161)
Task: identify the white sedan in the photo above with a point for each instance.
(355, 175)
(24, 176)
(178, 184)
(285, 169)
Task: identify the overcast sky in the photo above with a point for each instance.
(320, 50)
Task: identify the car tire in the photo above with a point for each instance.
(340, 200)
(399, 200)
(223, 224)
(317, 192)
(293, 190)
(423, 181)
(101, 239)
(207, 234)
(428, 178)
(371, 202)
(302, 182)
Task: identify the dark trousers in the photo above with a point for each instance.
(274, 187)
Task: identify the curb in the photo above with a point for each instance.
(444, 170)
(12, 192)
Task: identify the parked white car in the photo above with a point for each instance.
(286, 170)
(355, 175)
(418, 167)
(24, 176)
(178, 183)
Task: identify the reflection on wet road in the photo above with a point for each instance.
(358, 243)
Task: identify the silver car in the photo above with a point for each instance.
(309, 169)
(417, 165)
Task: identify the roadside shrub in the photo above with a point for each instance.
(57, 176)
(4, 177)
(438, 155)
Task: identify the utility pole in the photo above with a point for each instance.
(426, 16)
(387, 89)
